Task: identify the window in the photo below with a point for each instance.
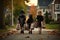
(43, 10)
(57, 6)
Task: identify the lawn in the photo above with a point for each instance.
(52, 26)
(7, 28)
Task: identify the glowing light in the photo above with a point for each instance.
(32, 2)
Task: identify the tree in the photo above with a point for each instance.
(18, 5)
(3, 4)
(47, 20)
(33, 10)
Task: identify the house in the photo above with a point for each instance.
(51, 10)
(57, 9)
(54, 8)
(43, 5)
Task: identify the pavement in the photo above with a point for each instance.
(35, 36)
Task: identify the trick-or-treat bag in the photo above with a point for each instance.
(26, 26)
(18, 26)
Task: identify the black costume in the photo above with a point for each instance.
(39, 19)
(30, 20)
(22, 19)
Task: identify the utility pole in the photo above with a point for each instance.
(12, 14)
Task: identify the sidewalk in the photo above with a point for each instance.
(35, 36)
(36, 31)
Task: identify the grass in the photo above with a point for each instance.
(8, 27)
(52, 26)
(3, 30)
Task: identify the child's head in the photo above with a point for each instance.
(40, 13)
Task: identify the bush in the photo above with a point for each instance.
(52, 26)
(8, 20)
(47, 19)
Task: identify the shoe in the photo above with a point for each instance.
(39, 32)
(30, 32)
(22, 32)
(27, 37)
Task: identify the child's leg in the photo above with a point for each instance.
(40, 29)
(30, 29)
(22, 29)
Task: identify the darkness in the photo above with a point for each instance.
(44, 2)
